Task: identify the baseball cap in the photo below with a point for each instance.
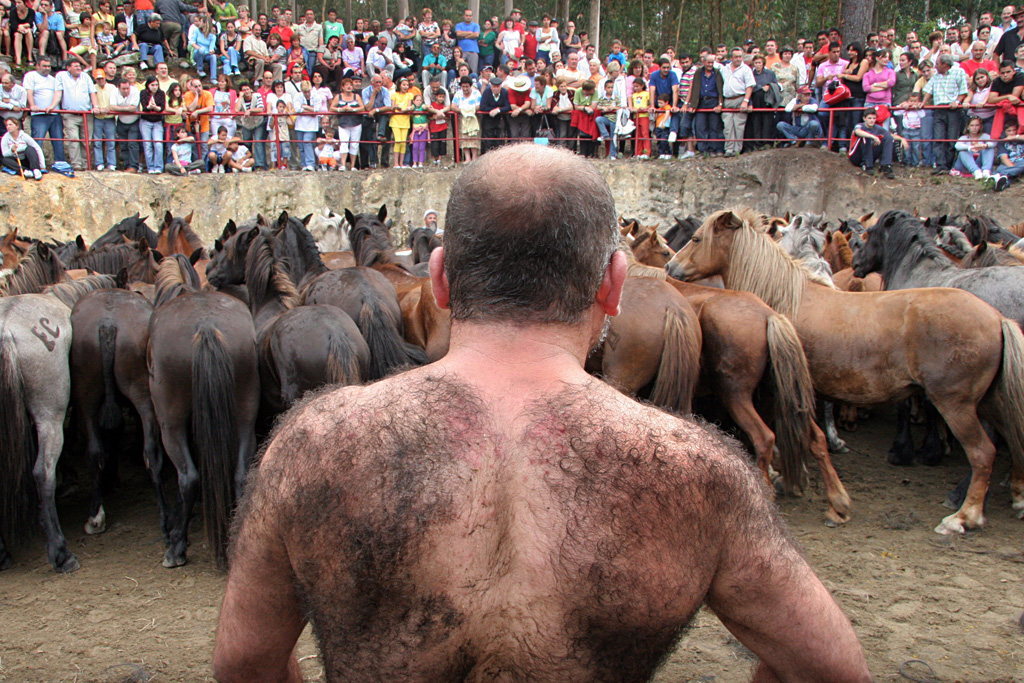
(804, 90)
(99, 72)
(496, 81)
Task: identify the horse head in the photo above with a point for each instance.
(227, 267)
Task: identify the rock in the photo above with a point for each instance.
(772, 181)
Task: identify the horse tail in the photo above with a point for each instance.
(794, 401)
(214, 433)
(679, 368)
(17, 500)
(1011, 392)
(110, 412)
(342, 360)
(387, 348)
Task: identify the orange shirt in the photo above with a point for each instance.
(205, 101)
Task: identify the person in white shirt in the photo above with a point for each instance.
(20, 152)
(76, 92)
(380, 58)
(125, 103)
(13, 98)
(738, 84)
(41, 92)
(307, 123)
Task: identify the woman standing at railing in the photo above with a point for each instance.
(961, 50)
(348, 105)
(927, 70)
(853, 76)
(879, 82)
(978, 89)
(466, 103)
(175, 118)
(224, 97)
(152, 103)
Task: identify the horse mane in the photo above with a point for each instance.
(264, 275)
(70, 292)
(306, 246)
(107, 260)
(759, 265)
(370, 247)
(422, 241)
(906, 238)
(179, 227)
(176, 276)
(1016, 252)
(636, 269)
(843, 249)
(986, 255)
(38, 268)
(954, 241)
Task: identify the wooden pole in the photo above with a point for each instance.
(595, 25)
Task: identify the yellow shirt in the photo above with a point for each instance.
(641, 101)
(401, 101)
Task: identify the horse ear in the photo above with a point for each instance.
(654, 228)
(142, 246)
(388, 224)
(217, 245)
(624, 230)
(729, 221)
(121, 279)
(80, 242)
(773, 230)
(305, 221)
(282, 221)
(788, 217)
(982, 248)
(136, 216)
(188, 218)
(382, 213)
(168, 218)
(260, 220)
(230, 228)
(157, 256)
(42, 249)
(350, 218)
(9, 237)
(196, 256)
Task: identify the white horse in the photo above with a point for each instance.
(330, 231)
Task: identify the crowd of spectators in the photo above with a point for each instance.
(281, 91)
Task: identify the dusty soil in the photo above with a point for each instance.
(953, 603)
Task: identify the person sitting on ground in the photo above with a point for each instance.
(872, 145)
(218, 147)
(548, 525)
(975, 152)
(20, 152)
(805, 125)
(237, 157)
(181, 155)
(1011, 156)
(327, 152)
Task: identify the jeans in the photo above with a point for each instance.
(52, 125)
(306, 150)
(153, 147)
(852, 117)
(127, 134)
(230, 63)
(142, 16)
(201, 58)
(157, 50)
(967, 163)
(607, 129)
(838, 131)
(104, 132)
(946, 126)
(255, 136)
(913, 136)
(708, 124)
(870, 155)
(927, 132)
(793, 132)
(1014, 171)
(310, 58)
(202, 145)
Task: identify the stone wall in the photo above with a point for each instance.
(773, 182)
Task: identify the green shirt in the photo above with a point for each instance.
(581, 99)
(333, 28)
(228, 11)
(420, 117)
(487, 41)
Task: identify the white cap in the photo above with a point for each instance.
(428, 212)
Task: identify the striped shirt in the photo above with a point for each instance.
(948, 87)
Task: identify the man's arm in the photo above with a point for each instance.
(767, 595)
(260, 617)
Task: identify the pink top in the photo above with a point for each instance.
(886, 75)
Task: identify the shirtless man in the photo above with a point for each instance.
(500, 514)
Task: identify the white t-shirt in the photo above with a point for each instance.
(42, 88)
(132, 100)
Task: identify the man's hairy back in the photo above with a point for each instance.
(432, 536)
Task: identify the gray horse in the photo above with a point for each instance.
(906, 256)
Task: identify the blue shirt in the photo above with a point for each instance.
(619, 57)
(708, 84)
(468, 44)
(663, 85)
(55, 22)
(383, 98)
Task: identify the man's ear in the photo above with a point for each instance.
(610, 293)
(438, 278)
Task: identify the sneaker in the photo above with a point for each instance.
(1002, 182)
(600, 138)
(870, 170)
(143, 66)
(220, 169)
(887, 170)
(644, 156)
(686, 155)
(985, 174)
(842, 150)
(37, 174)
(234, 170)
(938, 170)
(100, 167)
(664, 156)
(202, 74)
(978, 175)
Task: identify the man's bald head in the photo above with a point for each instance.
(529, 231)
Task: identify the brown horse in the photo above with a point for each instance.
(204, 380)
(745, 343)
(10, 251)
(176, 236)
(39, 268)
(839, 257)
(986, 254)
(108, 362)
(875, 347)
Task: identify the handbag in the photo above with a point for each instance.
(835, 93)
(545, 133)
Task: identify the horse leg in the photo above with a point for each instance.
(839, 503)
(175, 440)
(5, 557)
(96, 455)
(931, 450)
(963, 420)
(1016, 492)
(50, 433)
(153, 454)
(741, 409)
(835, 444)
(902, 450)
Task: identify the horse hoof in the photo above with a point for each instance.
(174, 561)
(6, 561)
(70, 564)
(97, 524)
(900, 459)
(1018, 509)
(839, 447)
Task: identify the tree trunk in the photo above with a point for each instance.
(679, 27)
(508, 9)
(403, 8)
(474, 6)
(595, 25)
(563, 14)
(856, 19)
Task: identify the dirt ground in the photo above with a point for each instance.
(912, 595)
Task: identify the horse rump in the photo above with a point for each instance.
(794, 401)
(214, 433)
(18, 499)
(388, 350)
